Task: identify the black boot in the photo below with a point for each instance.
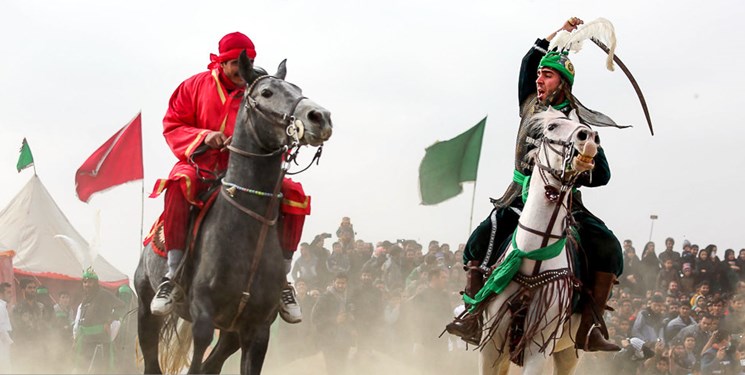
(468, 326)
(592, 334)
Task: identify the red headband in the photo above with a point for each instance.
(230, 48)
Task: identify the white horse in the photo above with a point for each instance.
(545, 292)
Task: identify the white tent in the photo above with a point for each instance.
(45, 242)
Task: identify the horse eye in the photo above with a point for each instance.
(582, 136)
(266, 93)
(597, 139)
(552, 126)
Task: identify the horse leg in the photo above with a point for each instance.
(535, 362)
(254, 343)
(148, 328)
(565, 361)
(203, 331)
(492, 360)
(227, 344)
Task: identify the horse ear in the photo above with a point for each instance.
(246, 68)
(573, 115)
(282, 70)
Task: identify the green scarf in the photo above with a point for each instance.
(504, 273)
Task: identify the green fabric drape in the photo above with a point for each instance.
(504, 273)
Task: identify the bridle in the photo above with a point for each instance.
(294, 129)
(564, 175)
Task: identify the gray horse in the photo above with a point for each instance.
(273, 116)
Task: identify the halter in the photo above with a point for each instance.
(294, 129)
(553, 194)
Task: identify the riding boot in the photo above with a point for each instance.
(468, 326)
(168, 292)
(289, 308)
(592, 334)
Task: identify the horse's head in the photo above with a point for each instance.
(277, 112)
(567, 147)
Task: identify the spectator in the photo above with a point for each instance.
(648, 325)
(687, 281)
(670, 254)
(700, 331)
(366, 305)
(633, 352)
(728, 272)
(27, 320)
(332, 321)
(715, 308)
(426, 312)
(667, 274)
(346, 233)
(376, 261)
(306, 266)
(6, 293)
(698, 301)
(741, 265)
(649, 267)
(681, 363)
(338, 261)
(705, 268)
(734, 322)
(718, 356)
(393, 275)
(632, 277)
(683, 320)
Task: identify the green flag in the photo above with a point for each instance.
(447, 164)
(25, 160)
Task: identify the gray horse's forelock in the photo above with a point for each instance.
(538, 123)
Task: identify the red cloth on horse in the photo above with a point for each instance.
(295, 206)
(206, 102)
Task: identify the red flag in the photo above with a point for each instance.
(117, 161)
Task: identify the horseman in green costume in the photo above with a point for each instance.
(546, 79)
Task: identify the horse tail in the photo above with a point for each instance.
(175, 344)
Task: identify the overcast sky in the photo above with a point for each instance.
(397, 76)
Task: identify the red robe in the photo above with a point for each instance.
(199, 105)
(209, 101)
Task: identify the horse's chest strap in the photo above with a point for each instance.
(543, 278)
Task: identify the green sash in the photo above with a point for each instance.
(504, 273)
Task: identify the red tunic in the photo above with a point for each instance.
(199, 105)
(206, 102)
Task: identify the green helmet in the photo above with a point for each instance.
(560, 62)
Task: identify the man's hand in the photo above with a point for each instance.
(216, 139)
(721, 353)
(569, 25)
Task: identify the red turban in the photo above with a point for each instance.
(230, 48)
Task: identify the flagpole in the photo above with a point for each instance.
(473, 203)
(142, 210)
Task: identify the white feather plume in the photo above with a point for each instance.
(600, 29)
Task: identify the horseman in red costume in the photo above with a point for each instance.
(202, 111)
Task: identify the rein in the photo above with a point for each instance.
(294, 131)
(553, 194)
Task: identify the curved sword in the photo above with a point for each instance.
(631, 78)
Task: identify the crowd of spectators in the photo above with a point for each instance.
(676, 312)
(364, 303)
(37, 333)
